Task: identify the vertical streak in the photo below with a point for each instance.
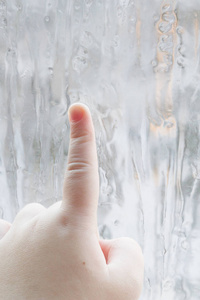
(196, 26)
(138, 33)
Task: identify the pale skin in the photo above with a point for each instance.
(55, 253)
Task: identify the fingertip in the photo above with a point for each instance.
(77, 111)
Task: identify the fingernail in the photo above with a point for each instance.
(75, 113)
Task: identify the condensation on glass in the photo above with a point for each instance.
(136, 65)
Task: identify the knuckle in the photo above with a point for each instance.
(78, 166)
(81, 136)
(135, 246)
(33, 205)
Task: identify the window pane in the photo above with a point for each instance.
(136, 65)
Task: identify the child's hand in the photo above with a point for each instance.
(55, 253)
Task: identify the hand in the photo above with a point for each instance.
(55, 253)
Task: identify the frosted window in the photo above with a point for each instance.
(136, 65)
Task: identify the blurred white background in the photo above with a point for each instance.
(136, 65)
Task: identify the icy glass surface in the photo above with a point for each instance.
(136, 65)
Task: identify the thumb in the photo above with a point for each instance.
(81, 184)
(125, 263)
